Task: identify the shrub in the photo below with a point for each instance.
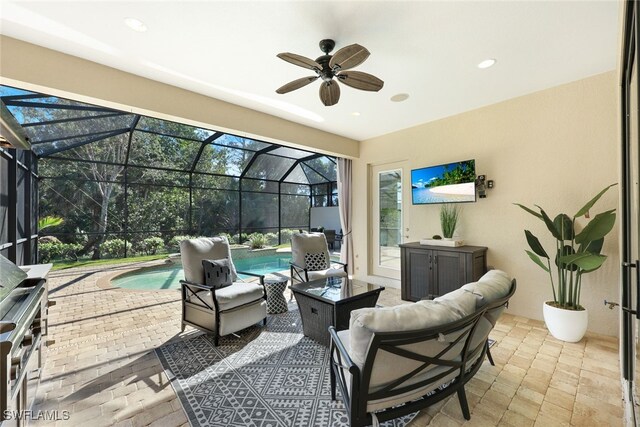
(286, 233)
(272, 239)
(55, 250)
(115, 247)
(81, 237)
(257, 241)
(230, 238)
(174, 242)
(48, 239)
(151, 245)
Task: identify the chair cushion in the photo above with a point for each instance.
(407, 317)
(494, 285)
(217, 273)
(460, 301)
(323, 274)
(237, 294)
(308, 243)
(315, 261)
(193, 251)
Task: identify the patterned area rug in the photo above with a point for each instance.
(271, 376)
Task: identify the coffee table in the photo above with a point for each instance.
(329, 302)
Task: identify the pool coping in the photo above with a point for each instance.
(104, 282)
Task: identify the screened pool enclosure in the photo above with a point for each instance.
(120, 180)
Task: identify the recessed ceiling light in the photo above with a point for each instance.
(487, 63)
(400, 97)
(355, 113)
(135, 24)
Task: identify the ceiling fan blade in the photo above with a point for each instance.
(296, 84)
(329, 93)
(300, 61)
(360, 80)
(349, 57)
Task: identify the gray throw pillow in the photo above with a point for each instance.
(217, 272)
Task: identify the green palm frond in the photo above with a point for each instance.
(49, 221)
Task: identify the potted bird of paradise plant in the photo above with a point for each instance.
(577, 252)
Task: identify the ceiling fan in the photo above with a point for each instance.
(328, 66)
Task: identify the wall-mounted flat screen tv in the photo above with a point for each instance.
(450, 183)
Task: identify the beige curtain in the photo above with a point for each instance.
(345, 208)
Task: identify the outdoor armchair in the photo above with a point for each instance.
(214, 299)
(310, 258)
(394, 361)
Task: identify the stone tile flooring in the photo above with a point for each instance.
(102, 368)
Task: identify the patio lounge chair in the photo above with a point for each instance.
(213, 298)
(310, 258)
(393, 361)
(331, 238)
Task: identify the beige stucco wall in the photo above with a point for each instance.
(556, 148)
(32, 67)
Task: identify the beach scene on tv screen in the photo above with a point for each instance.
(450, 183)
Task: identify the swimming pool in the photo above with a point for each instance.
(169, 276)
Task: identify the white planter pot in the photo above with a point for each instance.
(565, 325)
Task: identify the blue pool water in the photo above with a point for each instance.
(169, 276)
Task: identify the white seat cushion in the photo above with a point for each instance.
(237, 294)
(323, 274)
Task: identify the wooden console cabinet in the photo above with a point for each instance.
(431, 271)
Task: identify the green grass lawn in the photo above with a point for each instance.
(62, 265)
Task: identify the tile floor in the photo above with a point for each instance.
(102, 368)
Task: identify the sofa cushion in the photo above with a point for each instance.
(460, 301)
(407, 317)
(195, 250)
(494, 285)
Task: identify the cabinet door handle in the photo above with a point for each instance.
(436, 259)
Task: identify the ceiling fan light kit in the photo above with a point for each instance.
(328, 66)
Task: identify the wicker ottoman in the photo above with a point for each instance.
(275, 284)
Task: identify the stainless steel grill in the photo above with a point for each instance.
(23, 324)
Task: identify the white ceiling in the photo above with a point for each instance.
(429, 50)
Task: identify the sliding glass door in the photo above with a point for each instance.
(630, 217)
(387, 212)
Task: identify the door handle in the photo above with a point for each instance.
(636, 265)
